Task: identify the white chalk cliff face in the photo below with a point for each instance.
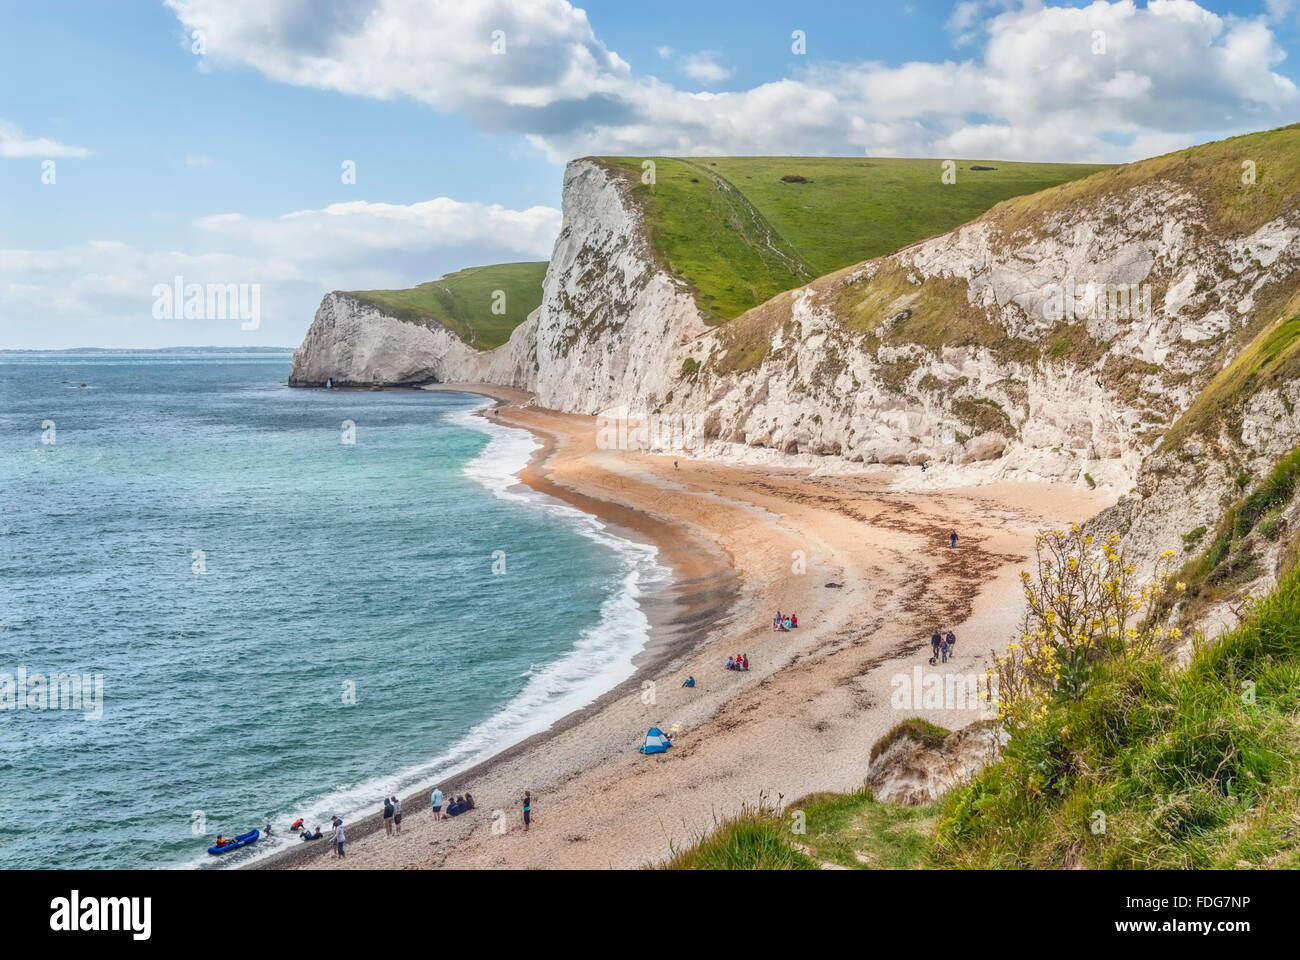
(1043, 387)
(608, 328)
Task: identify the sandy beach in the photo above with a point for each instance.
(866, 568)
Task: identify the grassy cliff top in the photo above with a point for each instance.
(740, 230)
(481, 305)
(1212, 171)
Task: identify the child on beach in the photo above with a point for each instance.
(338, 839)
(528, 809)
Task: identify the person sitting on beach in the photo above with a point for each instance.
(731, 663)
(469, 802)
(744, 661)
(787, 623)
(688, 682)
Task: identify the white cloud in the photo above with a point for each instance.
(14, 144)
(1173, 71)
(703, 67)
(100, 293)
(352, 230)
(198, 160)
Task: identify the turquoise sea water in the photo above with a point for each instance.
(326, 569)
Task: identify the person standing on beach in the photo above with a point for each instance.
(436, 800)
(952, 540)
(388, 816)
(338, 839)
(528, 809)
(951, 639)
(397, 815)
(936, 640)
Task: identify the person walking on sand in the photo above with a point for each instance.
(388, 816)
(952, 540)
(528, 809)
(943, 650)
(951, 639)
(936, 640)
(338, 839)
(435, 799)
(397, 815)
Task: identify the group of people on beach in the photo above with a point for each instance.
(739, 662)
(455, 807)
(941, 645)
(783, 623)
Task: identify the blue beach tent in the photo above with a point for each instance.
(656, 741)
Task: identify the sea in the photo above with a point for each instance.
(226, 603)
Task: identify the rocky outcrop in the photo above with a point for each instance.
(353, 344)
(914, 774)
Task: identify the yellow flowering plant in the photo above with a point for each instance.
(1083, 603)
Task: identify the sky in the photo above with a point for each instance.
(212, 140)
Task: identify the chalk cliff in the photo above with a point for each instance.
(1061, 336)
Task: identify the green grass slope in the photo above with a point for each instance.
(1213, 171)
(738, 233)
(463, 301)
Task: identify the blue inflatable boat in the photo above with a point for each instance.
(243, 840)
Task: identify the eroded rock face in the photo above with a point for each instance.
(353, 344)
(910, 773)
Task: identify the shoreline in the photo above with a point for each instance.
(677, 611)
(868, 583)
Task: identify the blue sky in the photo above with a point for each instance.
(225, 167)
